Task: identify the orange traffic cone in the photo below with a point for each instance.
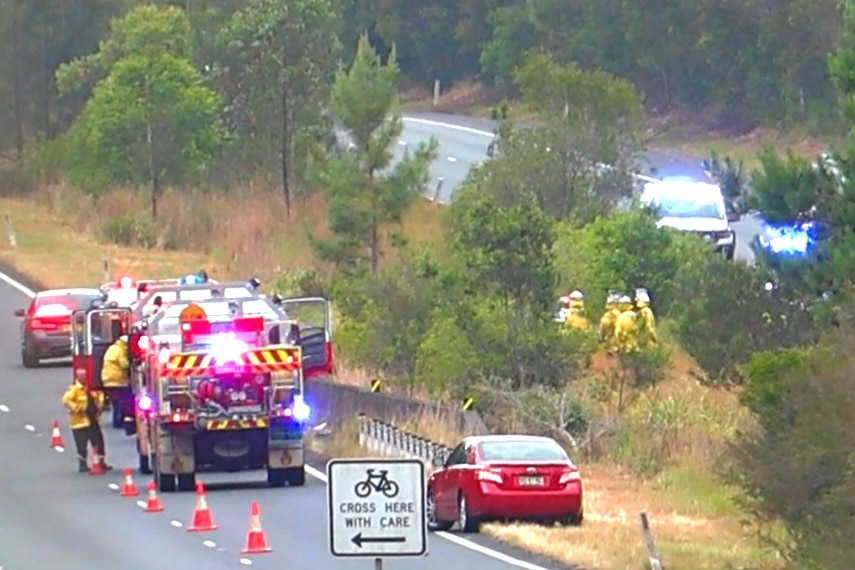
(152, 505)
(256, 542)
(129, 489)
(96, 467)
(55, 436)
(203, 520)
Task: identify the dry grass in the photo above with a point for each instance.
(246, 232)
(689, 534)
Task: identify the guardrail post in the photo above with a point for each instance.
(106, 271)
(10, 230)
(649, 543)
(438, 189)
(362, 433)
(437, 90)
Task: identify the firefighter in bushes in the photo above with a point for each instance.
(575, 315)
(608, 321)
(646, 319)
(84, 410)
(626, 326)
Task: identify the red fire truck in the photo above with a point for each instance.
(230, 397)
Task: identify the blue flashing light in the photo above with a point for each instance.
(190, 280)
(795, 240)
(300, 410)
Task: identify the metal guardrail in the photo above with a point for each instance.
(386, 440)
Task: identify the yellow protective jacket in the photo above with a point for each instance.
(576, 318)
(76, 400)
(626, 331)
(647, 325)
(607, 325)
(115, 372)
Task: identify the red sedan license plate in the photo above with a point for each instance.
(530, 481)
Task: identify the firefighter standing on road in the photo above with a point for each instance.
(84, 410)
(116, 378)
(626, 326)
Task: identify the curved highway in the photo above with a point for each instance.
(53, 517)
(463, 144)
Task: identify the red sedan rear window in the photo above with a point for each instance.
(54, 305)
(522, 451)
(53, 310)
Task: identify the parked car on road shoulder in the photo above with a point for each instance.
(46, 323)
(504, 477)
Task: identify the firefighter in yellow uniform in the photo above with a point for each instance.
(646, 319)
(84, 410)
(575, 317)
(626, 326)
(116, 381)
(608, 321)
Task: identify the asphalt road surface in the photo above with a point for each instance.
(463, 144)
(53, 517)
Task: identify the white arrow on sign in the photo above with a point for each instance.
(376, 507)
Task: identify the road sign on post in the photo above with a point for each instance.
(376, 507)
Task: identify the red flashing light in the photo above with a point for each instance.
(126, 282)
(176, 417)
(248, 325)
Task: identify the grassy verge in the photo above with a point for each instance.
(693, 517)
(63, 239)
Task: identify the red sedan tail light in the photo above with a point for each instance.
(490, 476)
(569, 477)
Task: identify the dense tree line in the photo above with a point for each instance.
(754, 59)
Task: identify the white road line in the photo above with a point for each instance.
(449, 126)
(209, 543)
(28, 427)
(113, 487)
(489, 552)
(59, 449)
(141, 504)
(484, 550)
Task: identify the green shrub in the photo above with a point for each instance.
(130, 230)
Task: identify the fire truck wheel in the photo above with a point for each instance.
(187, 482)
(296, 476)
(165, 482)
(277, 477)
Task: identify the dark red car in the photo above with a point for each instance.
(46, 324)
(504, 477)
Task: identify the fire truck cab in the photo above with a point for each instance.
(93, 331)
(229, 396)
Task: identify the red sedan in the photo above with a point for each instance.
(504, 477)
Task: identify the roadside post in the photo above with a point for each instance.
(376, 508)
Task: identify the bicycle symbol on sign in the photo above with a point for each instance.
(376, 481)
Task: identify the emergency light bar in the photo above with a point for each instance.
(237, 325)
